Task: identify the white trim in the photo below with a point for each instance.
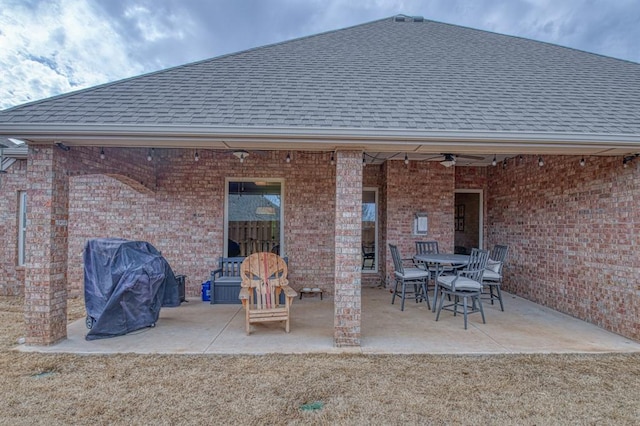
(283, 247)
(481, 211)
(22, 227)
(181, 136)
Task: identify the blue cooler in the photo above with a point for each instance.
(206, 291)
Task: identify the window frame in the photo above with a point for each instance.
(227, 180)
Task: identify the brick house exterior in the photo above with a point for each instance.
(12, 183)
(571, 229)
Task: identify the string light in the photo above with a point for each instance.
(495, 161)
(196, 157)
(406, 159)
(540, 161)
(582, 162)
(102, 153)
(504, 163)
(150, 155)
(288, 159)
(333, 160)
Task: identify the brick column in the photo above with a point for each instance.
(47, 245)
(348, 240)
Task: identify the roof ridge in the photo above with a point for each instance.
(394, 18)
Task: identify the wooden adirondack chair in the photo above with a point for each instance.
(264, 278)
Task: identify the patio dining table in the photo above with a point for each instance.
(440, 260)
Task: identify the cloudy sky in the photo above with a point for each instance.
(48, 47)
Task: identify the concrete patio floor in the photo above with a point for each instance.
(198, 327)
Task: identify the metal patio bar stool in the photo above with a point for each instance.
(416, 278)
(492, 277)
(465, 285)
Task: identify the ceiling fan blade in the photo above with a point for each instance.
(438, 157)
(470, 157)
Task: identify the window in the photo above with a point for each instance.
(370, 230)
(22, 226)
(253, 217)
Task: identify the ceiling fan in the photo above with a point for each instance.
(242, 154)
(449, 160)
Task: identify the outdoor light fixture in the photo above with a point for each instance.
(196, 157)
(288, 159)
(406, 159)
(628, 158)
(540, 161)
(495, 161)
(62, 146)
(449, 160)
(102, 153)
(582, 162)
(241, 154)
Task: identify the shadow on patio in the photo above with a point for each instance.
(199, 327)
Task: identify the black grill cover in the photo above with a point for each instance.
(125, 284)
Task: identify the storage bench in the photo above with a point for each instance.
(225, 281)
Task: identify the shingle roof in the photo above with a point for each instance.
(380, 75)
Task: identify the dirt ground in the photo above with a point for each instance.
(310, 389)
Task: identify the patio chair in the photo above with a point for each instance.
(431, 247)
(492, 277)
(368, 256)
(427, 247)
(465, 285)
(416, 277)
(264, 278)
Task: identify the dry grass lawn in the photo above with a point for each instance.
(310, 389)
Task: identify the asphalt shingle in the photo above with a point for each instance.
(384, 74)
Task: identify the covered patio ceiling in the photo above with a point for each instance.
(470, 148)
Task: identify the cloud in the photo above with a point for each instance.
(49, 47)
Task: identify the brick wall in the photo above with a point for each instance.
(471, 177)
(347, 246)
(417, 187)
(572, 231)
(11, 276)
(184, 216)
(573, 234)
(45, 289)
